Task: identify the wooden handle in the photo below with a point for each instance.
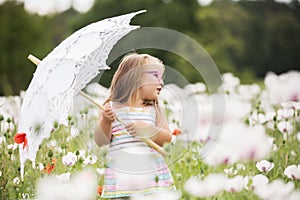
(34, 59)
(149, 142)
(91, 100)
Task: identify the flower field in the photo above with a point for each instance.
(243, 147)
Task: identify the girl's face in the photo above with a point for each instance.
(151, 82)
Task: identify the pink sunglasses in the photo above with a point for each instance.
(157, 74)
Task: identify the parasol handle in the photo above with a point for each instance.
(149, 142)
(34, 59)
(98, 105)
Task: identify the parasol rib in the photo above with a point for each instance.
(149, 142)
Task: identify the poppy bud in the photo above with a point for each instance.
(69, 118)
(8, 120)
(86, 110)
(156, 179)
(50, 154)
(55, 125)
(10, 151)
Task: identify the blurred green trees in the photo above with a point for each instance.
(20, 34)
(247, 38)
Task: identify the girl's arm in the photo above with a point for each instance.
(162, 133)
(102, 134)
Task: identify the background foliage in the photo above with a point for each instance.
(248, 38)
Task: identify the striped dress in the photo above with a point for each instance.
(133, 167)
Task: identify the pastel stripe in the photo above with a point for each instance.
(107, 194)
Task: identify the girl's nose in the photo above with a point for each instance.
(161, 82)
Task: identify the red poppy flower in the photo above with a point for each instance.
(50, 167)
(99, 189)
(176, 132)
(21, 138)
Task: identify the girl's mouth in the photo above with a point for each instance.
(158, 89)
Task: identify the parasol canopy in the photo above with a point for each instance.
(61, 75)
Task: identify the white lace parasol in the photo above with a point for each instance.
(62, 74)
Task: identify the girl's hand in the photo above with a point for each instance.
(140, 129)
(108, 115)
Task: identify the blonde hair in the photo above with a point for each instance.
(127, 79)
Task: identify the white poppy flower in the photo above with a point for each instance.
(285, 113)
(257, 118)
(80, 186)
(234, 184)
(69, 159)
(230, 171)
(16, 181)
(195, 88)
(240, 166)
(230, 82)
(258, 181)
(238, 142)
(264, 166)
(90, 160)
(248, 92)
(285, 127)
(284, 87)
(193, 186)
(210, 186)
(293, 172)
(295, 195)
(276, 190)
(25, 196)
(293, 153)
(51, 144)
(12, 146)
(41, 167)
(101, 171)
(291, 104)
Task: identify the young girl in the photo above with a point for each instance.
(134, 168)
